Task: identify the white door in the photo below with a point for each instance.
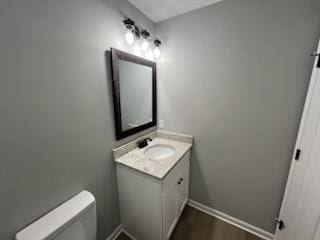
(170, 210)
(300, 209)
(183, 185)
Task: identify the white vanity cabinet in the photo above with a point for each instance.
(150, 207)
(174, 200)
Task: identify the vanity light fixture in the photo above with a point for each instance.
(135, 33)
(156, 51)
(145, 44)
(130, 30)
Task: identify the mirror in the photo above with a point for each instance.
(134, 93)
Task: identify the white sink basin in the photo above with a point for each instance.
(159, 152)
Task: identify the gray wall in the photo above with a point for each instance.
(56, 131)
(235, 76)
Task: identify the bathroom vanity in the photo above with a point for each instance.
(153, 176)
(153, 184)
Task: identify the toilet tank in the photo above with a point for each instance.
(73, 220)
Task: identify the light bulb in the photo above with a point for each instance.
(156, 52)
(150, 55)
(136, 50)
(145, 45)
(129, 37)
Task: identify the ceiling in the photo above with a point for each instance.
(159, 10)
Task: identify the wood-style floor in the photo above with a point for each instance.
(196, 225)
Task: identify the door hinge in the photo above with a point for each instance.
(297, 155)
(315, 54)
(280, 224)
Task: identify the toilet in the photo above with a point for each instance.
(74, 219)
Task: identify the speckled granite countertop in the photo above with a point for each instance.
(157, 168)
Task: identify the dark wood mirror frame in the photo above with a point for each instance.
(117, 55)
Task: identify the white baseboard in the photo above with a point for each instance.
(234, 221)
(115, 234)
(128, 234)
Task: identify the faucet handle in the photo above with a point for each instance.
(144, 142)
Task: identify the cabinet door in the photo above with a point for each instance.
(183, 189)
(170, 210)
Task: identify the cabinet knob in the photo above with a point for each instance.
(181, 180)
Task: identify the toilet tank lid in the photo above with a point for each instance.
(56, 220)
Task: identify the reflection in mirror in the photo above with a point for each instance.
(135, 94)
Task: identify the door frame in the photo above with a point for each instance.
(302, 125)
